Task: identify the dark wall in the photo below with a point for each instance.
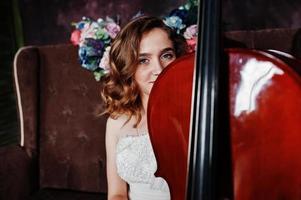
(50, 23)
(261, 14)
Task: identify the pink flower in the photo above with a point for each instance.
(191, 44)
(112, 29)
(75, 37)
(88, 31)
(191, 32)
(104, 62)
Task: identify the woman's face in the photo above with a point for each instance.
(155, 53)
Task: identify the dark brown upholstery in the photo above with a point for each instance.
(63, 144)
(72, 151)
(63, 153)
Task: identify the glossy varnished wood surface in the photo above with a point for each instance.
(265, 124)
(265, 116)
(168, 120)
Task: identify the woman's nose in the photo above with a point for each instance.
(157, 68)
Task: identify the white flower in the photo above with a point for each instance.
(104, 62)
(174, 22)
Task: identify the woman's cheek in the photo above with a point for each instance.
(146, 75)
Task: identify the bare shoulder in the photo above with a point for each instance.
(115, 127)
(117, 123)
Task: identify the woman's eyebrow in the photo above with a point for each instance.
(162, 51)
(144, 54)
(168, 49)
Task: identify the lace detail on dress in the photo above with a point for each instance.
(135, 159)
(136, 163)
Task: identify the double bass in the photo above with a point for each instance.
(225, 123)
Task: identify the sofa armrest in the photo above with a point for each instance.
(26, 77)
(18, 173)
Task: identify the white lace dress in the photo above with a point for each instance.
(136, 164)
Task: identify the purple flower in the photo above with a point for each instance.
(97, 45)
(112, 29)
(191, 32)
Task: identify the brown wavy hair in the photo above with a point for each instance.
(121, 93)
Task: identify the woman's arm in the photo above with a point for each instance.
(117, 188)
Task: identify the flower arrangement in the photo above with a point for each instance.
(94, 37)
(183, 20)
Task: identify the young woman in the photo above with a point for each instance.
(141, 50)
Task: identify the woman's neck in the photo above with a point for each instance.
(144, 100)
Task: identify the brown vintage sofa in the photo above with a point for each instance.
(61, 154)
(61, 136)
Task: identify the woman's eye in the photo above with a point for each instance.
(143, 61)
(168, 56)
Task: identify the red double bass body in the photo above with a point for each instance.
(170, 136)
(264, 119)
